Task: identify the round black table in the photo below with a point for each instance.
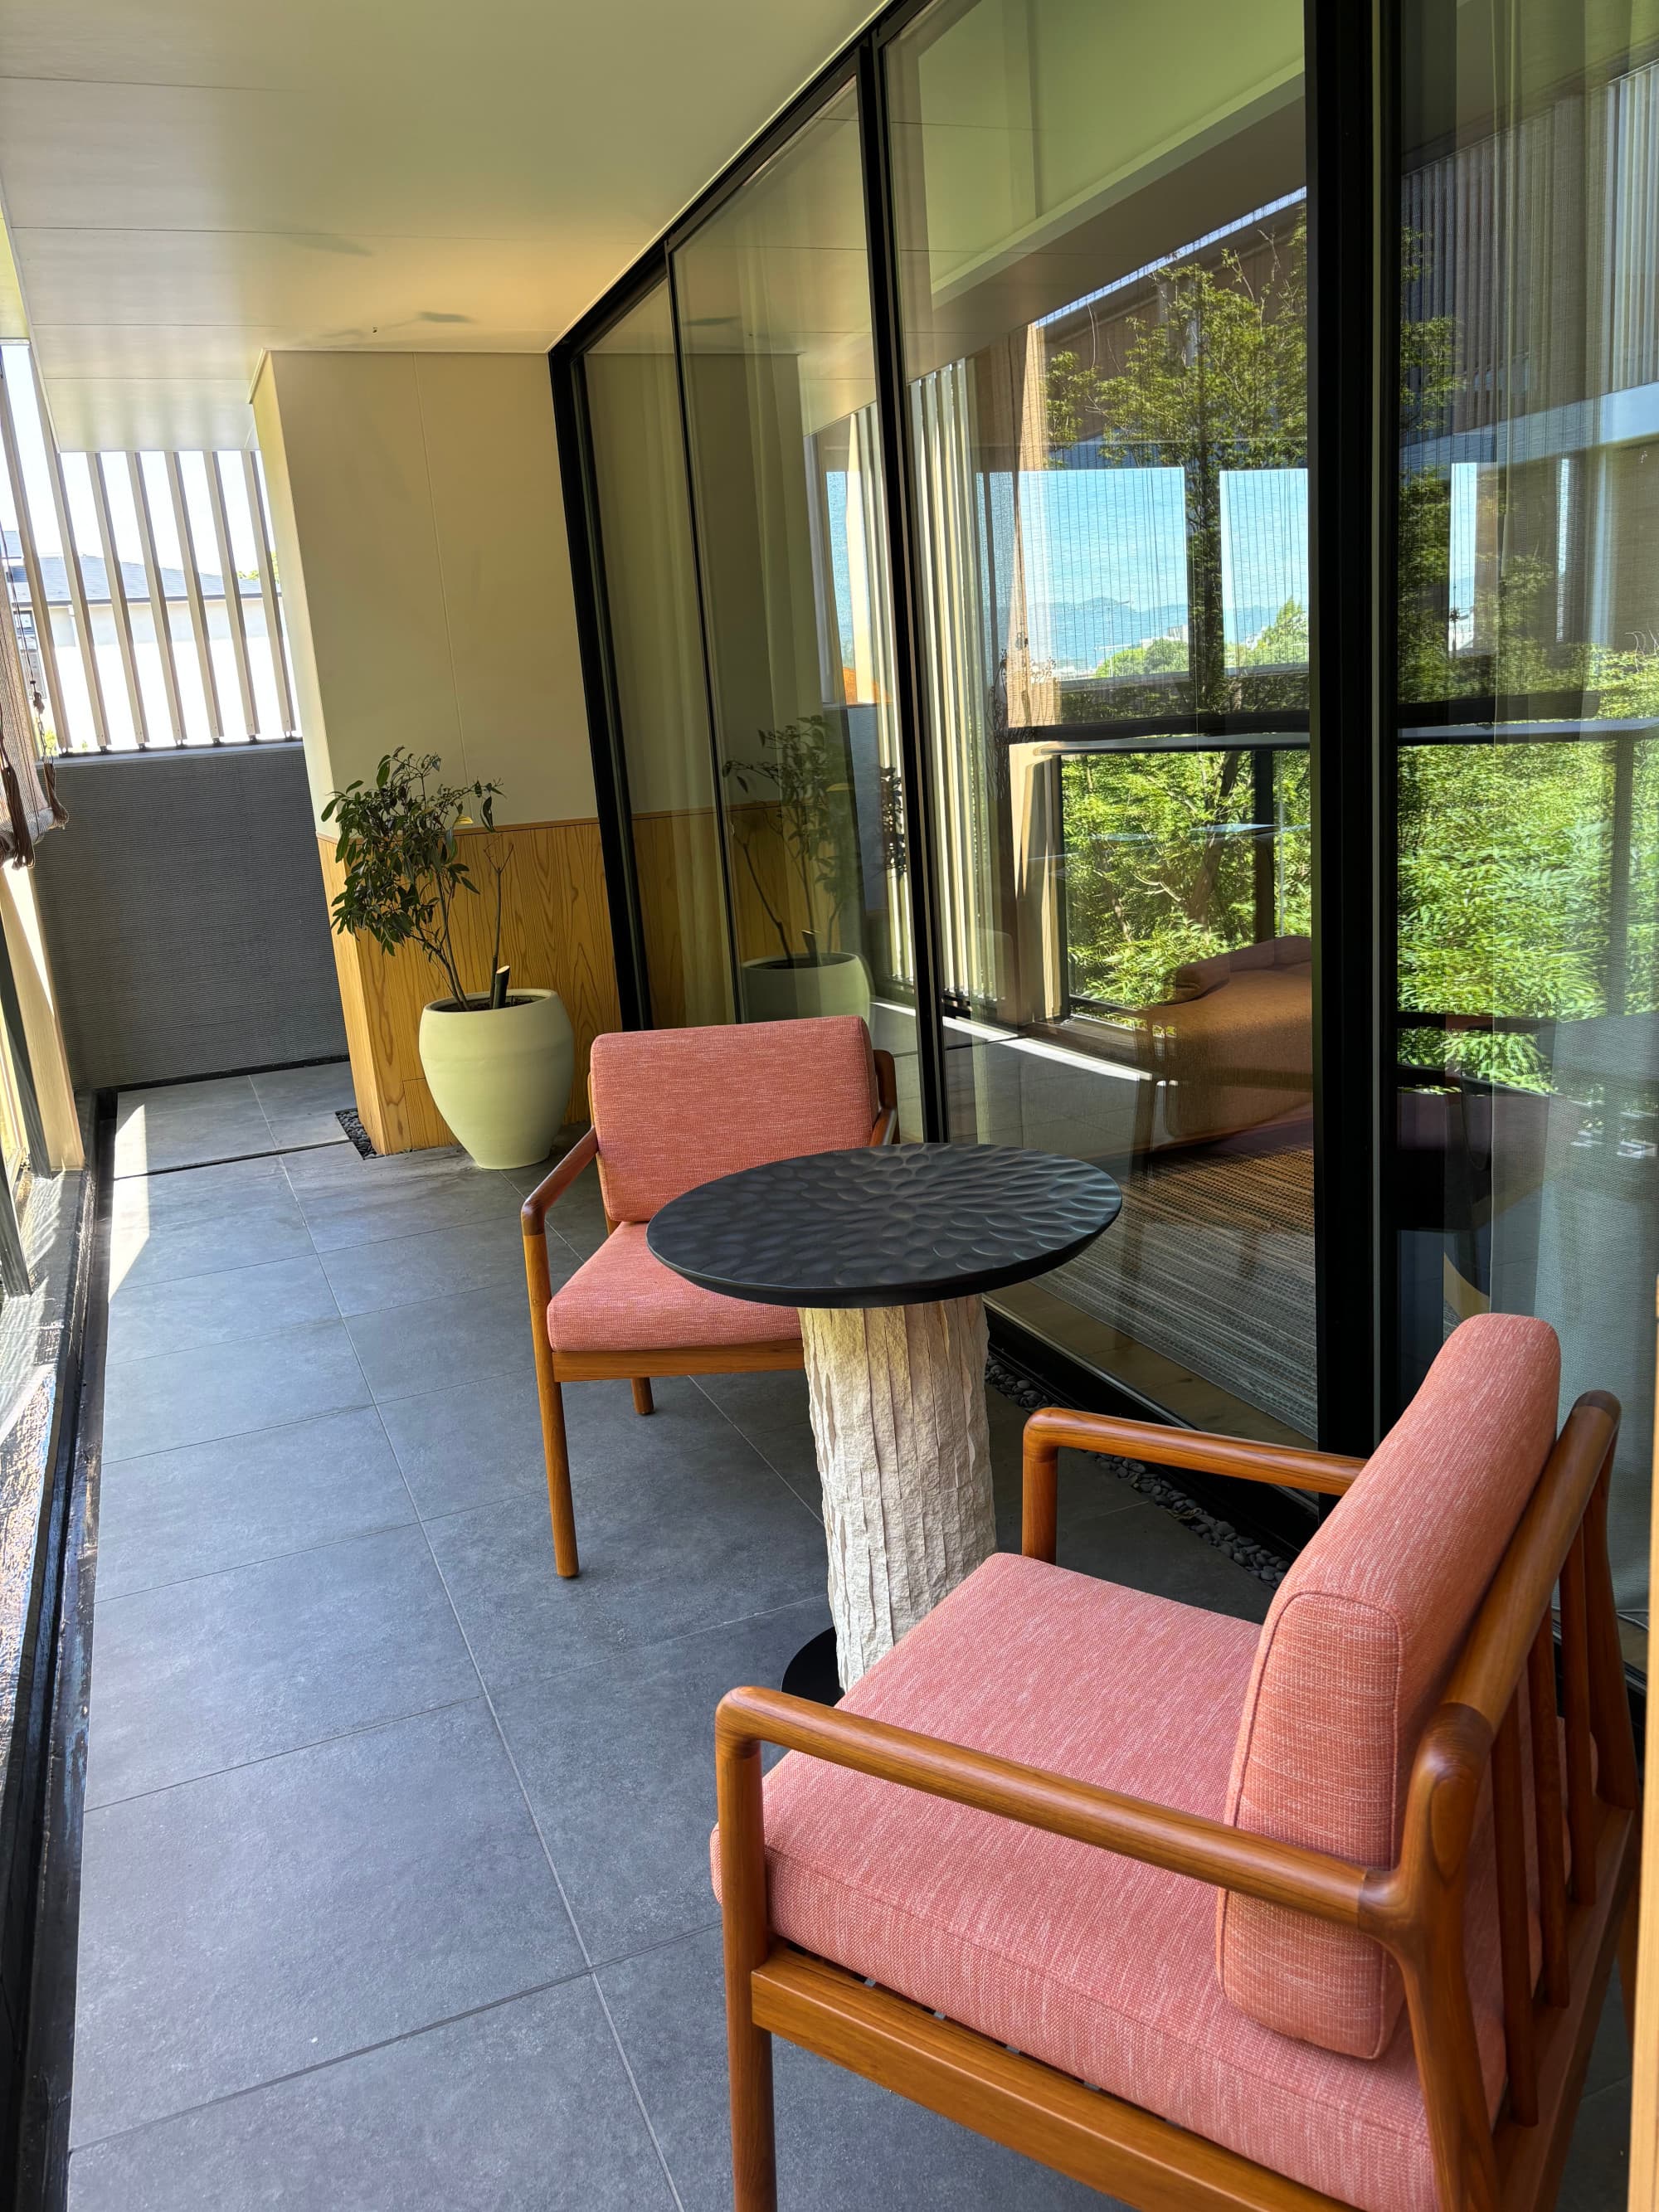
(887, 1251)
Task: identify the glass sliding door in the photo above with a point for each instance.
(632, 382)
(1102, 258)
(1528, 757)
(773, 299)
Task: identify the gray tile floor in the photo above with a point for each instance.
(395, 1890)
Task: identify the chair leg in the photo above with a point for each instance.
(558, 1477)
(643, 1401)
(744, 1919)
(754, 2151)
(1628, 1930)
(539, 1287)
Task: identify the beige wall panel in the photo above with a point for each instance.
(504, 558)
(420, 529)
(354, 451)
(291, 572)
(420, 532)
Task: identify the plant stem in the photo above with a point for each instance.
(749, 857)
(461, 999)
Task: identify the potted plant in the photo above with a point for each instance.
(498, 1061)
(809, 974)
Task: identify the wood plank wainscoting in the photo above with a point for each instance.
(682, 904)
(555, 931)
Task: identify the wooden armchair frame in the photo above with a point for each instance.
(1414, 1909)
(554, 1369)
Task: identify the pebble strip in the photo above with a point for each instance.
(1266, 1566)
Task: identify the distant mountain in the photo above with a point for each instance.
(1079, 633)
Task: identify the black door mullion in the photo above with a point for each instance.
(705, 639)
(898, 477)
(1353, 407)
(581, 507)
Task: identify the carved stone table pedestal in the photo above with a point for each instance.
(898, 1397)
(884, 1253)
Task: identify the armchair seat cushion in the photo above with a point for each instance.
(1093, 1963)
(623, 1299)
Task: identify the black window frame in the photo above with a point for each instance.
(1352, 168)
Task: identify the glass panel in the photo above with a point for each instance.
(1103, 259)
(1528, 1021)
(773, 301)
(651, 592)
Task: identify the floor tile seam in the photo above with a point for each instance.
(759, 1449)
(400, 1305)
(483, 1690)
(327, 2065)
(268, 1559)
(398, 1397)
(398, 1170)
(289, 1750)
(377, 1244)
(513, 1764)
(656, 1643)
(224, 1343)
(260, 1429)
(362, 1243)
(1619, 2088)
(235, 1203)
(324, 1252)
(304, 1420)
(1084, 1515)
(441, 1229)
(511, 1758)
(639, 2097)
(275, 1150)
(263, 1115)
(205, 1275)
(614, 1959)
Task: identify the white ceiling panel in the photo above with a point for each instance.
(188, 183)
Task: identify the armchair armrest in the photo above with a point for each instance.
(1051, 1429)
(1185, 1843)
(885, 1126)
(533, 1214)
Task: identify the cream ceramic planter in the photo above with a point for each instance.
(501, 1079)
(780, 990)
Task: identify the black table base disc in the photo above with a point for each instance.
(811, 1672)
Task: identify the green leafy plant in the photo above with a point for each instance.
(399, 850)
(804, 766)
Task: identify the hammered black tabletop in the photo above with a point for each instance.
(884, 1226)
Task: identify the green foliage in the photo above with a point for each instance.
(1503, 895)
(1158, 656)
(1157, 870)
(806, 767)
(1506, 865)
(400, 852)
(1285, 639)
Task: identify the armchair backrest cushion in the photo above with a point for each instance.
(1354, 1654)
(675, 1108)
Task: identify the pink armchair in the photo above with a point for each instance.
(673, 1108)
(1203, 1916)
